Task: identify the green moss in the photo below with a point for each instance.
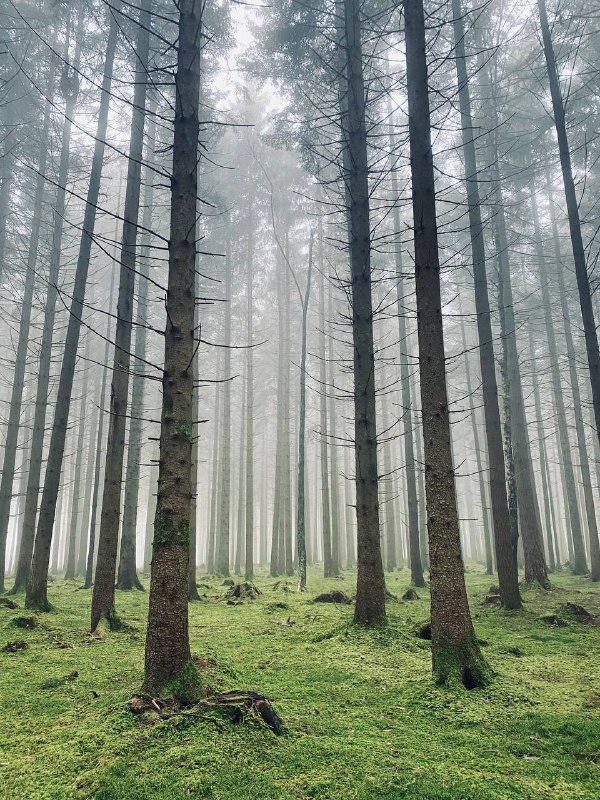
(184, 432)
(460, 663)
(364, 718)
(187, 687)
(167, 531)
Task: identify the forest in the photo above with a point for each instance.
(299, 399)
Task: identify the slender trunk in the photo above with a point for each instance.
(249, 539)
(588, 493)
(103, 598)
(218, 552)
(301, 505)
(506, 560)
(91, 552)
(370, 584)
(328, 569)
(225, 474)
(70, 89)
(167, 660)
(241, 505)
(579, 565)
(37, 589)
(336, 541)
(127, 577)
(583, 284)
(455, 651)
(18, 383)
(75, 525)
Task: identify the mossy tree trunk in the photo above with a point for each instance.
(456, 654)
(168, 665)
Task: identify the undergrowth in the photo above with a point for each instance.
(363, 719)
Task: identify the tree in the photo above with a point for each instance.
(168, 665)
(455, 651)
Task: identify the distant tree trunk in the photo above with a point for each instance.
(18, 382)
(583, 284)
(350, 515)
(577, 402)
(336, 541)
(150, 513)
(370, 585)
(579, 566)
(455, 651)
(69, 87)
(103, 598)
(217, 554)
(412, 505)
(300, 506)
(544, 472)
(192, 590)
(225, 474)
(328, 569)
(249, 539)
(277, 522)
(82, 547)
(37, 589)
(241, 505)
(91, 551)
(75, 525)
(506, 557)
(127, 577)
(478, 460)
(167, 641)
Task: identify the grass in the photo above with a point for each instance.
(363, 718)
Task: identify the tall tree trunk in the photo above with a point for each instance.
(103, 598)
(217, 553)
(583, 284)
(225, 474)
(167, 660)
(75, 525)
(478, 460)
(506, 557)
(70, 89)
(127, 576)
(18, 383)
(91, 550)
(579, 565)
(240, 537)
(249, 538)
(336, 541)
(328, 570)
(37, 589)
(455, 651)
(588, 493)
(370, 584)
(301, 500)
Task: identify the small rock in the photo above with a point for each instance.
(333, 597)
(5, 602)
(410, 594)
(29, 623)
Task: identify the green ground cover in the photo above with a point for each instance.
(363, 718)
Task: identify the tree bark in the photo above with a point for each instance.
(37, 589)
(370, 583)
(506, 558)
(168, 663)
(455, 651)
(103, 598)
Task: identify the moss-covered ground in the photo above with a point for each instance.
(363, 718)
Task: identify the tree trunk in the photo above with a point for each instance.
(103, 598)
(167, 660)
(328, 569)
(225, 473)
(455, 651)
(336, 541)
(370, 585)
(300, 507)
(37, 589)
(577, 402)
(127, 576)
(579, 566)
(18, 383)
(583, 284)
(249, 538)
(506, 557)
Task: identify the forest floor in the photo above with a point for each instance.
(363, 719)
